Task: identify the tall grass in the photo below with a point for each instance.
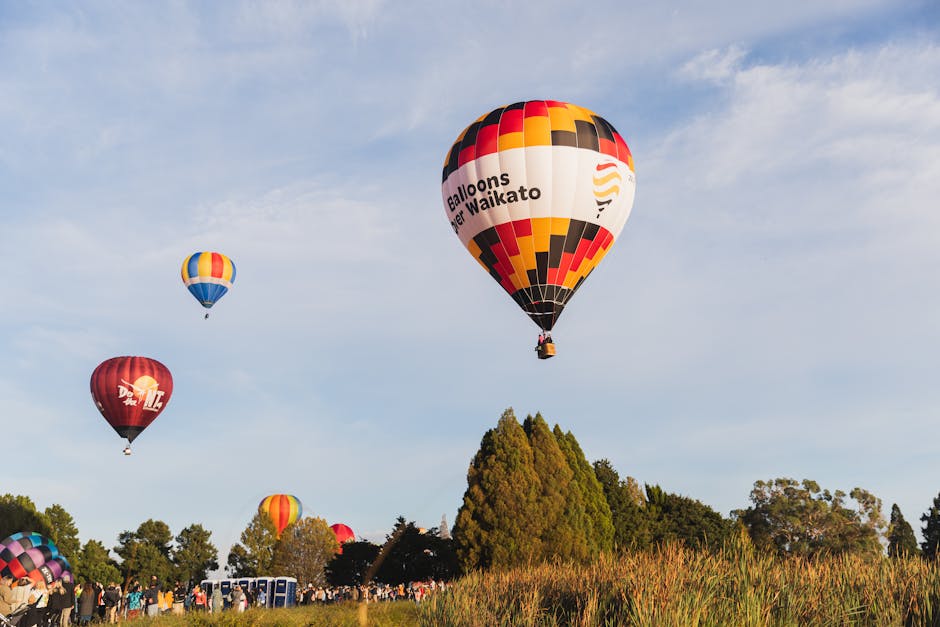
(677, 586)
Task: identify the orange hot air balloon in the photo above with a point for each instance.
(343, 535)
(282, 509)
(538, 191)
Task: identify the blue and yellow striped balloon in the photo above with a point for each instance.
(208, 276)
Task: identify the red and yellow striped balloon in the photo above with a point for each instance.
(283, 510)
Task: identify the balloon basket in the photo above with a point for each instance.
(545, 349)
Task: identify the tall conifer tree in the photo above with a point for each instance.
(931, 530)
(560, 535)
(901, 540)
(498, 524)
(598, 525)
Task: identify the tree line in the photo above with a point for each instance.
(151, 550)
(532, 496)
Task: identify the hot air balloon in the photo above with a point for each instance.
(538, 191)
(29, 554)
(343, 535)
(282, 509)
(208, 276)
(130, 392)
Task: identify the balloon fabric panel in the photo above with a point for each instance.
(130, 392)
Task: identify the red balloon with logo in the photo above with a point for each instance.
(130, 392)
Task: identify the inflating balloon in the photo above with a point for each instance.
(538, 191)
(130, 392)
(282, 509)
(29, 554)
(343, 534)
(208, 276)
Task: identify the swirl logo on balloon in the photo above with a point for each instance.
(607, 181)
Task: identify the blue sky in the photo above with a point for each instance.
(770, 309)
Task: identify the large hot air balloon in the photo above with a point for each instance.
(538, 191)
(130, 392)
(29, 554)
(208, 276)
(282, 509)
(343, 534)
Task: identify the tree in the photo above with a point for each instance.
(561, 532)
(598, 524)
(350, 567)
(194, 555)
(254, 556)
(794, 518)
(19, 513)
(901, 540)
(304, 550)
(627, 503)
(146, 552)
(415, 555)
(97, 564)
(676, 518)
(65, 535)
(931, 531)
(498, 523)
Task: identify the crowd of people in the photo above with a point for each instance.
(414, 591)
(24, 603)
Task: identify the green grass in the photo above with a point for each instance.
(391, 614)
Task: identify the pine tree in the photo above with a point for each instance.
(560, 535)
(931, 531)
(901, 540)
(497, 524)
(598, 523)
(627, 507)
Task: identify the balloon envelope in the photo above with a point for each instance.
(29, 554)
(538, 191)
(208, 276)
(282, 510)
(130, 392)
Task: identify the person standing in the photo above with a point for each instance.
(216, 599)
(238, 598)
(134, 601)
(199, 599)
(112, 601)
(179, 596)
(86, 603)
(152, 597)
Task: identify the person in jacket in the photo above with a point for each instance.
(6, 595)
(68, 585)
(86, 603)
(58, 601)
(216, 599)
(199, 599)
(112, 601)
